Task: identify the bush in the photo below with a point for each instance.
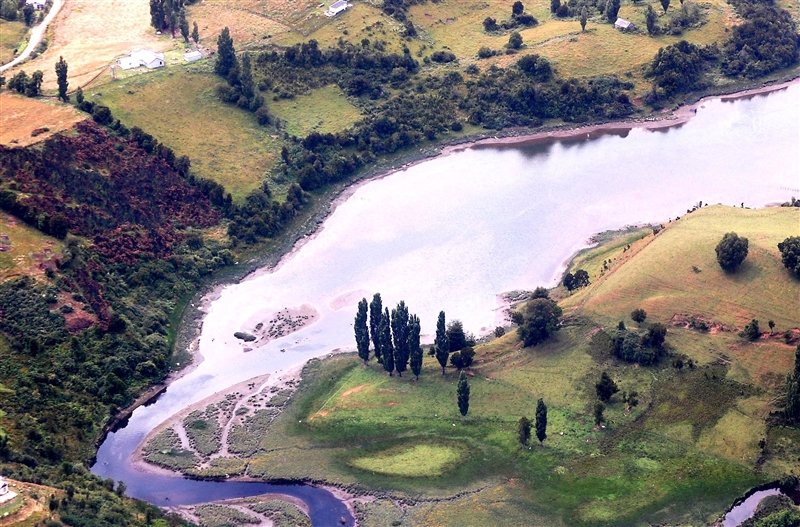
(638, 315)
(751, 331)
(731, 251)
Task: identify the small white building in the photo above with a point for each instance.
(3, 486)
(38, 5)
(142, 57)
(337, 7)
(624, 25)
(192, 56)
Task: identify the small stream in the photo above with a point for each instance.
(466, 226)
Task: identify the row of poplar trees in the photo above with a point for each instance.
(394, 336)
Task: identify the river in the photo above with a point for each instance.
(455, 231)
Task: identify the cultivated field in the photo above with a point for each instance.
(19, 116)
(679, 457)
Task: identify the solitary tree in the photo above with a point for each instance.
(414, 349)
(400, 335)
(612, 10)
(539, 292)
(790, 254)
(375, 314)
(226, 53)
(195, 33)
(606, 388)
(61, 76)
(538, 320)
(599, 409)
(731, 251)
(387, 351)
(441, 342)
(524, 431)
(541, 421)
(771, 325)
(490, 24)
(79, 95)
(515, 40)
(584, 17)
(638, 315)
(665, 5)
(650, 19)
(517, 8)
(362, 333)
(462, 394)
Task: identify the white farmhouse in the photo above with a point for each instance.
(142, 57)
(337, 7)
(38, 5)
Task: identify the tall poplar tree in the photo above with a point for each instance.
(793, 390)
(400, 335)
(183, 24)
(462, 394)
(61, 74)
(414, 349)
(387, 351)
(226, 53)
(375, 314)
(362, 333)
(541, 421)
(195, 33)
(441, 342)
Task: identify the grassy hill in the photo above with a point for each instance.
(680, 457)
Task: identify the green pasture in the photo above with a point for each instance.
(179, 107)
(325, 110)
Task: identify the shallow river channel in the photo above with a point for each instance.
(455, 231)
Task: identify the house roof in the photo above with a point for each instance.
(621, 22)
(339, 4)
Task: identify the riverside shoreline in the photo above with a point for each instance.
(322, 208)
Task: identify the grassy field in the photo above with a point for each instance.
(11, 36)
(179, 107)
(325, 110)
(23, 249)
(679, 457)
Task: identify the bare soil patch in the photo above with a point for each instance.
(20, 116)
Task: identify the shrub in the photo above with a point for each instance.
(539, 320)
(751, 331)
(638, 315)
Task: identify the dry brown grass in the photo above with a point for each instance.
(249, 21)
(20, 115)
(91, 34)
(24, 251)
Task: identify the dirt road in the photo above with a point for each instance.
(37, 33)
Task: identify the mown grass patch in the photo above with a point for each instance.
(282, 513)
(203, 430)
(325, 110)
(11, 36)
(180, 108)
(414, 461)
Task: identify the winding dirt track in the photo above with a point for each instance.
(37, 33)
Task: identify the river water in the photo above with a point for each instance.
(453, 232)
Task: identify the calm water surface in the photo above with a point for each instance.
(451, 233)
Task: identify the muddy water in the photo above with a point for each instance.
(451, 233)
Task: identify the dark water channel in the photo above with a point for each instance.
(454, 232)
